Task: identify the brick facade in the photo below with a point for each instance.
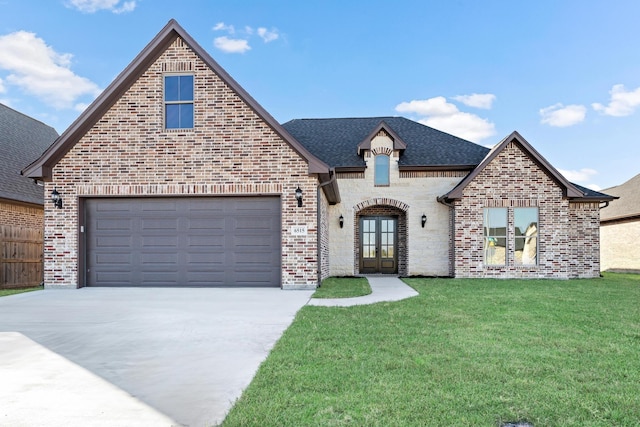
(567, 231)
(619, 246)
(230, 151)
(21, 215)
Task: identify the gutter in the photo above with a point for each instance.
(332, 181)
(452, 225)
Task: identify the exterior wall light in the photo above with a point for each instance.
(299, 196)
(56, 198)
(424, 220)
(341, 221)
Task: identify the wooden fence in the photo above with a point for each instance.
(21, 257)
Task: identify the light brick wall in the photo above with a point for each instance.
(20, 215)
(566, 240)
(427, 248)
(619, 246)
(230, 151)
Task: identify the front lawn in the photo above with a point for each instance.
(463, 353)
(5, 292)
(343, 287)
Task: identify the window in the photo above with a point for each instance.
(495, 236)
(178, 102)
(381, 170)
(525, 222)
(499, 232)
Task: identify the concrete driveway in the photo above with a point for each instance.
(130, 356)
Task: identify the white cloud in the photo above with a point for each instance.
(622, 102)
(442, 115)
(92, 6)
(228, 45)
(268, 36)
(241, 45)
(39, 70)
(582, 175)
(2, 88)
(558, 115)
(221, 26)
(477, 100)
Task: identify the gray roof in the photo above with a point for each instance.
(628, 204)
(335, 141)
(22, 140)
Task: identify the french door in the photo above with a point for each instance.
(378, 245)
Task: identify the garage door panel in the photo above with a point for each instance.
(214, 241)
(113, 241)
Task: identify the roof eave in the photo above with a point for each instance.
(417, 168)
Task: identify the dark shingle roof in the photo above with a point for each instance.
(335, 141)
(22, 140)
(628, 204)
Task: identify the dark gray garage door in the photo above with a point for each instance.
(205, 241)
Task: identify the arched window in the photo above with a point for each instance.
(381, 170)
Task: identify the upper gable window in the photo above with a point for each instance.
(178, 102)
(381, 170)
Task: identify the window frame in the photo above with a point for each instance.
(511, 240)
(179, 102)
(523, 237)
(491, 240)
(376, 174)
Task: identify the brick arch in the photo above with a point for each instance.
(382, 150)
(384, 201)
(383, 207)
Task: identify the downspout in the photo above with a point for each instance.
(606, 203)
(442, 200)
(332, 174)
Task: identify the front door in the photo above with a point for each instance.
(378, 241)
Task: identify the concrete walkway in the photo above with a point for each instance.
(383, 288)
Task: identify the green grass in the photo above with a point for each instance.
(462, 353)
(5, 292)
(343, 287)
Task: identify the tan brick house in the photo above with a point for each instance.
(620, 228)
(175, 175)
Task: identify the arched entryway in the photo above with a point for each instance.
(381, 237)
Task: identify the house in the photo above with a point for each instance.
(21, 201)
(620, 228)
(175, 175)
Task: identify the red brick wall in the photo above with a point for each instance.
(568, 241)
(230, 151)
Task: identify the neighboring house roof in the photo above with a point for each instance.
(628, 204)
(570, 190)
(41, 168)
(338, 142)
(22, 139)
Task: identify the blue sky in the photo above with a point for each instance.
(565, 74)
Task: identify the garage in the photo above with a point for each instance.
(182, 241)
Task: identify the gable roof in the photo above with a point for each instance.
(22, 139)
(570, 190)
(42, 167)
(628, 204)
(398, 143)
(337, 142)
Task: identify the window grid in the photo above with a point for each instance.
(381, 170)
(179, 101)
(510, 236)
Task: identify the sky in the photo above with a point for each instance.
(564, 74)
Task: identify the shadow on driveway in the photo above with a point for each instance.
(181, 356)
